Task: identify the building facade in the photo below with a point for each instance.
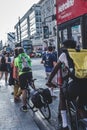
(48, 11)
(11, 39)
(29, 27)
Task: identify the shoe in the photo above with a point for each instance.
(24, 108)
(17, 99)
(65, 128)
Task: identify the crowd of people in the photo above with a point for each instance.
(19, 68)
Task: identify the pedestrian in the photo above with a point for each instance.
(55, 52)
(49, 61)
(8, 61)
(25, 75)
(3, 67)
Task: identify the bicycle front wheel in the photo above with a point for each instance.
(45, 111)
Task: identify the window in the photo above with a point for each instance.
(76, 34)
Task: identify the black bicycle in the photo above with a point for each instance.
(75, 122)
(36, 100)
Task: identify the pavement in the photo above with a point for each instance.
(12, 118)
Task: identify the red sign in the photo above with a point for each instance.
(69, 9)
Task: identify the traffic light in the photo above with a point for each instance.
(45, 32)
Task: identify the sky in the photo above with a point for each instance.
(10, 10)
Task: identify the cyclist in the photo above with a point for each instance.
(25, 74)
(64, 61)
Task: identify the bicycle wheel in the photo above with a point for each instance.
(45, 111)
(72, 115)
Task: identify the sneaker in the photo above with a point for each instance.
(24, 108)
(65, 128)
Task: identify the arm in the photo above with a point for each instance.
(55, 70)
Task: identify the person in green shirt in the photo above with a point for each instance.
(24, 70)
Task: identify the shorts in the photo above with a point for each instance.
(24, 79)
(3, 67)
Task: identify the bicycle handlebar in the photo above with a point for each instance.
(51, 85)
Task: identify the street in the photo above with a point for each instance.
(39, 74)
(13, 119)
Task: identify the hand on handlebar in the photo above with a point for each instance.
(50, 84)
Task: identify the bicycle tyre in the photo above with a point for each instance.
(45, 111)
(72, 115)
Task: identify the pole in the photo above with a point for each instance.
(19, 31)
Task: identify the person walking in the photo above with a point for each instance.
(49, 61)
(3, 67)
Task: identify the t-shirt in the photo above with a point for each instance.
(63, 59)
(17, 62)
(49, 58)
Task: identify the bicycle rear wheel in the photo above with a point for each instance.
(45, 111)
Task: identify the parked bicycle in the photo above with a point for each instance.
(39, 99)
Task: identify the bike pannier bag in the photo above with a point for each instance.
(36, 100)
(47, 95)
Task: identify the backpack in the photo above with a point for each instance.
(3, 60)
(24, 63)
(77, 61)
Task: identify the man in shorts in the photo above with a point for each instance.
(25, 75)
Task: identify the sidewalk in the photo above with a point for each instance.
(11, 117)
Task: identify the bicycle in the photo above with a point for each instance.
(75, 122)
(44, 108)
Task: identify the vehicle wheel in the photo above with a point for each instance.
(45, 110)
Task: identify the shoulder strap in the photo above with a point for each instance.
(71, 65)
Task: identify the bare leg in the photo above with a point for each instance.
(6, 77)
(1, 75)
(24, 96)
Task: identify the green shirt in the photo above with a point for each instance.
(18, 62)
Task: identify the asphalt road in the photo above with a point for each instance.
(11, 118)
(39, 74)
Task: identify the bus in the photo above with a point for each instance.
(27, 45)
(71, 16)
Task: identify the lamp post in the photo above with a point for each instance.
(19, 31)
